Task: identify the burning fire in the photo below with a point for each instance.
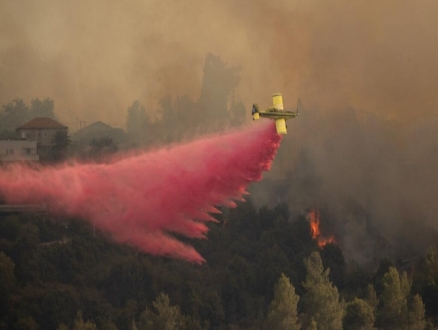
(316, 232)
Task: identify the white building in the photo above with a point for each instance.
(42, 131)
(21, 150)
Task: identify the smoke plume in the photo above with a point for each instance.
(95, 58)
(373, 179)
(143, 199)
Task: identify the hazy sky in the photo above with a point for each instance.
(94, 58)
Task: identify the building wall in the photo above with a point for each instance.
(43, 136)
(18, 151)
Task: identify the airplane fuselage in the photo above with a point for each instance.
(276, 113)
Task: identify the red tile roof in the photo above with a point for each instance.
(42, 122)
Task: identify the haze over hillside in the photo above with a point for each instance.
(95, 58)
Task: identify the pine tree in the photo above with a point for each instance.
(359, 315)
(165, 317)
(79, 323)
(7, 275)
(44, 108)
(416, 314)
(371, 297)
(283, 309)
(321, 300)
(137, 122)
(312, 325)
(393, 309)
(425, 280)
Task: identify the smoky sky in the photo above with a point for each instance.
(94, 58)
(374, 180)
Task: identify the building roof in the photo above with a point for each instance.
(98, 130)
(42, 123)
(97, 125)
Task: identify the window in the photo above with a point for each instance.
(9, 151)
(27, 151)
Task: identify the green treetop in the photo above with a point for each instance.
(321, 300)
(283, 309)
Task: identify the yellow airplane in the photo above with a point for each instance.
(275, 112)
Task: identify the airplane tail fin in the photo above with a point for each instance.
(255, 112)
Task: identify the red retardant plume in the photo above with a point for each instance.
(142, 199)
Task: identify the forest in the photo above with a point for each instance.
(263, 270)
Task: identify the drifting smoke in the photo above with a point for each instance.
(373, 179)
(94, 58)
(142, 200)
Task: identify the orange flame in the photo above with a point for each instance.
(316, 232)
